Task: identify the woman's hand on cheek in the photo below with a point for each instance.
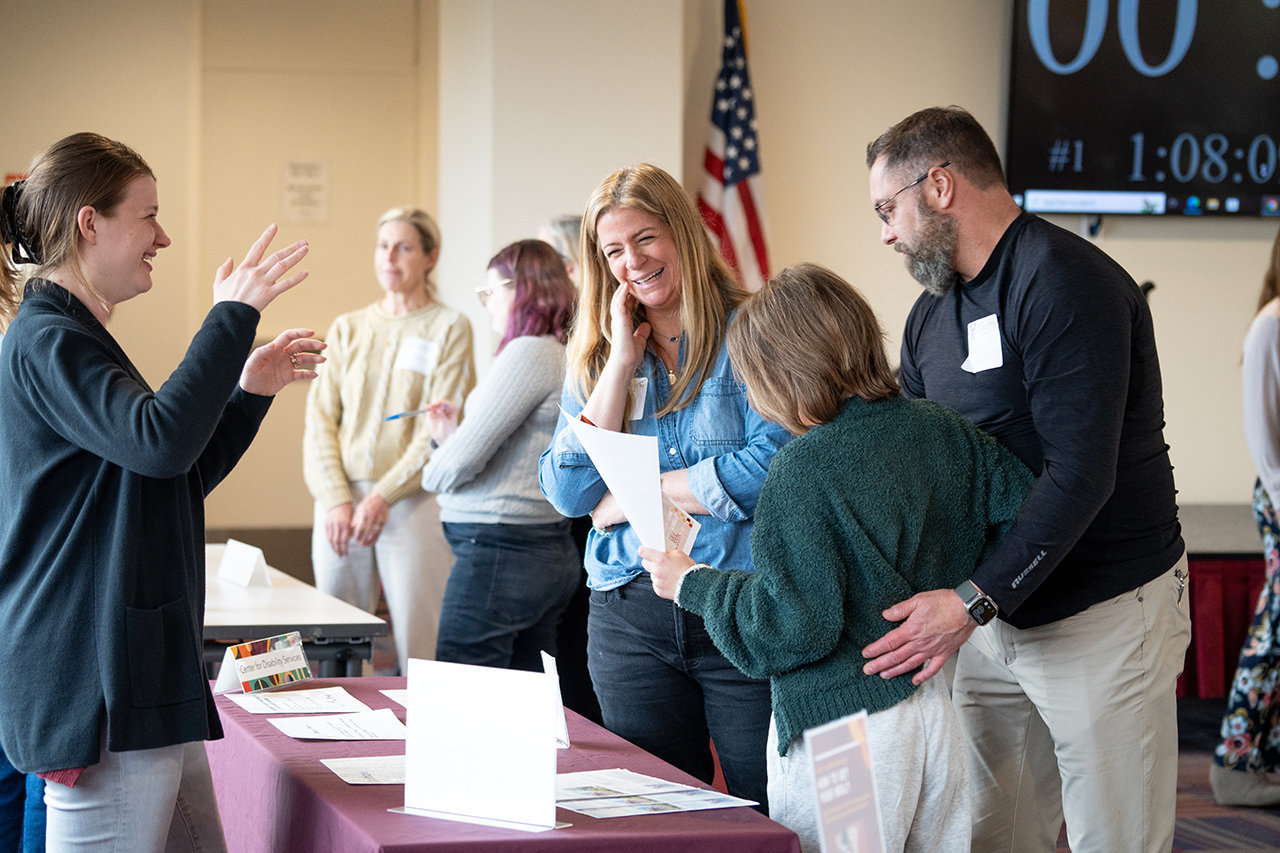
(628, 340)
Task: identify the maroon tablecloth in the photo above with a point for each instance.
(275, 796)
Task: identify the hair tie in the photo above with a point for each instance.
(24, 250)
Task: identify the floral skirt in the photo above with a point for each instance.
(1251, 728)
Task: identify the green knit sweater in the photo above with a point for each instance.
(889, 499)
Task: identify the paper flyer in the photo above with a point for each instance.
(848, 810)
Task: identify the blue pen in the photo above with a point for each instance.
(405, 415)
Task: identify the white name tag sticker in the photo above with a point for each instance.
(418, 354)
(639, 392)
(984, 345)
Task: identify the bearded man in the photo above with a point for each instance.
(1066, 696)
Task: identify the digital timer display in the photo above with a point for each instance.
(1156, 107)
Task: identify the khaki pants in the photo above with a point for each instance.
(412, 559)
(1078, 719)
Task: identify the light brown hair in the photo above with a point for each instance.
(709, 289)
(806, 343)
(81, 170)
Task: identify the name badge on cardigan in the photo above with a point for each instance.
(984, 345)
(263, 665)
(418, 354)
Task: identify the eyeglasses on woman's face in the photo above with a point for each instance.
(485, 292)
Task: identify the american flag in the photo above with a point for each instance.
(732, 196)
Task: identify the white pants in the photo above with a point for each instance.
(1078, 719)
(413, 560)
(142, 801)
(921, 781)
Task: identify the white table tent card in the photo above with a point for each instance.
(481, 746)
(243, 564)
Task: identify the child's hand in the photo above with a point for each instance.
(665, 568)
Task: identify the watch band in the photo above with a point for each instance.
(980, 606)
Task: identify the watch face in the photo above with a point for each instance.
(983, 610)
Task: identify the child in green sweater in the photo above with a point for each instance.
(877, 499)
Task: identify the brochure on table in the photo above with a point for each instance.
(628, 464)
(844, 780)
(481, 745)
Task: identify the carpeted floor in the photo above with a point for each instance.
(1202, 823)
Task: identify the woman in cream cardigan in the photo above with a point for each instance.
(372, 519)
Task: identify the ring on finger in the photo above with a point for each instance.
(293, 359)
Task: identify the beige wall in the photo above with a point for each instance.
(518, 145)
(217, 94)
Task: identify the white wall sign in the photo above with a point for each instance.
(306, 192)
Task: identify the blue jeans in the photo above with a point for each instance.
(21, 810)
(506, 593)
(664, 686)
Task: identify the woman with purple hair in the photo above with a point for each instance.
(516, 566)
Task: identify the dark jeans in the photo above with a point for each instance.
(506, 593)
(664, 686)
(21, 810)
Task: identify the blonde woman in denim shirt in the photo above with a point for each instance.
(647, 356)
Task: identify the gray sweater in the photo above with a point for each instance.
(487, 471)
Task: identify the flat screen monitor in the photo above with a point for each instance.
(1165, 107)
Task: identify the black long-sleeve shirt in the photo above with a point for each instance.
(102, 482)
(1078, 399)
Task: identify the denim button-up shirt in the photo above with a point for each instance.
(723, 442)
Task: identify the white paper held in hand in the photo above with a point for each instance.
(628, 464)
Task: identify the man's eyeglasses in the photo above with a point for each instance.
(880, 208)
